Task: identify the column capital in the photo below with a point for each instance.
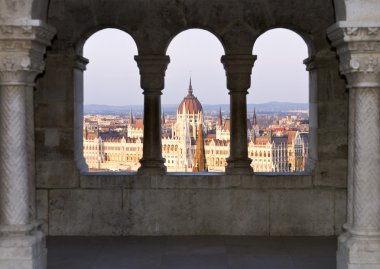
(238, 63)
(67, 60)
(321, 59)
(81, 63)
(358, 47)
(238, 71)
(22, 48)
(152, 72)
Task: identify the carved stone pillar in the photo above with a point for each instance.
(358, 47)
(22, 244)
(80, 64)
(152, 72)
(238, 71)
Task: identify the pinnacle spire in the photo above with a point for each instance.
(254, 120)
(130, 120)
(220, 119)
(200, 164)
(190, 91)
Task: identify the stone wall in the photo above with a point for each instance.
(73, 203)
(193, 205)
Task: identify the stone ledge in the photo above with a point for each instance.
(195, 181)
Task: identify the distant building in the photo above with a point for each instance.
(191, 146)
(113, 153)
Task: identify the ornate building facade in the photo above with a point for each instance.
(102, 152)
(280, 152)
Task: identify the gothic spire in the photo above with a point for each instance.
(220, 120)
(254, 120)
(190, 90)
(130, 120)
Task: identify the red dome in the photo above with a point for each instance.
(190, 103)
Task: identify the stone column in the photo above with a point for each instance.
(152, 72)
(80, 64)
(358, 47)
(59, 98)
(22, 244)
(327, 92)
(238, 71)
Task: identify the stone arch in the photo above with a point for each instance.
(89, 32)
(309, 86)
(208, 30)
(79, 81)
(207, 43)
(308, 39)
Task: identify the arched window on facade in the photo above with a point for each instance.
(113, 101)
(195, 97)
(278, 103)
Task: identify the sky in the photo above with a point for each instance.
(112, 76)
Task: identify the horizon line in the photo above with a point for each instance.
(202, 104)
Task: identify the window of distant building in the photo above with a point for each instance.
(195, 105)
(279, 103)
(113, 103)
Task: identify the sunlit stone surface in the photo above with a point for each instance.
(345, 146)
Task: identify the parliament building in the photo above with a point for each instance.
(119, 151)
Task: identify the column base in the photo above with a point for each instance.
(358, 252)
(152, 167)
(239, 167)
(22, 247)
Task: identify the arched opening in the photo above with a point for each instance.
(113, 103)
(278, 103)
(195, 97)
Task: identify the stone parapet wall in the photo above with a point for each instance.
(76, 204)
(193, 205)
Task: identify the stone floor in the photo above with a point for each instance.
(219, 252)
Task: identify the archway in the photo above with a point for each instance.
(195, 95)
(278, 103)
(113, 103)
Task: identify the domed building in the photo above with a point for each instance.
(189, 116)
(179, 149)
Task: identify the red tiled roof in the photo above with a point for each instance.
(211, 136)
(139, 124)
(91, 136)
(227, 125)
(262, 140)
(291, 136)
(217, 142)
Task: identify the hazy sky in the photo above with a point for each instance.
(112, 76)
